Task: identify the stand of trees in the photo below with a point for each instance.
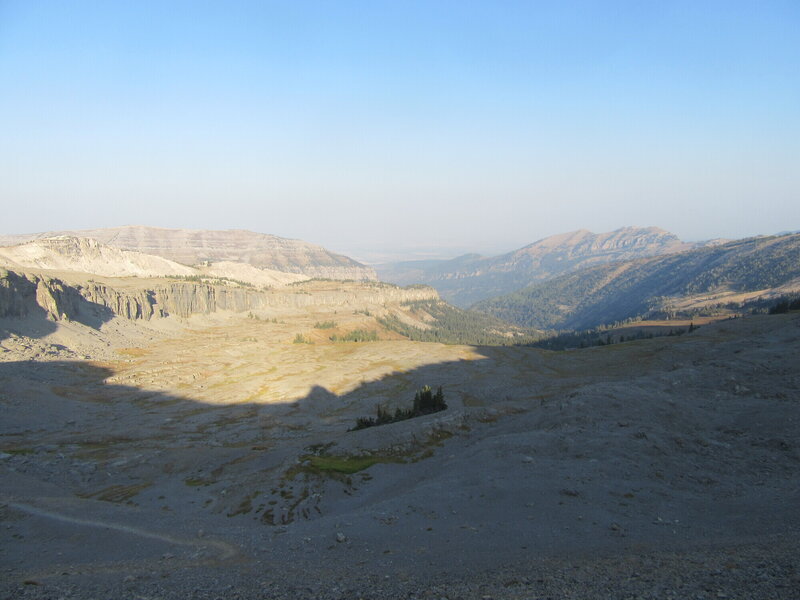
(357, 335)
(426, 402)
(451, 325)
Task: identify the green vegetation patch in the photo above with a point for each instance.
(357, 335)
(198, 481)
(19, 451)
(451, 325)
(346, 464)
(326, 464)
(784, 304)
(324, 324)
(212, 280)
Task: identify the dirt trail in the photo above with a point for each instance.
(226, 551)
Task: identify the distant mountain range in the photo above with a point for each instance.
(471, 278)
(723, 274)
(194, 247)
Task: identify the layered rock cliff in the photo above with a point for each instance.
(193, 247)
(22, 295)
(90, 302)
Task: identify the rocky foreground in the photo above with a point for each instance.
(214, 460)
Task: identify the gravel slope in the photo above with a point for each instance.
(664, 468)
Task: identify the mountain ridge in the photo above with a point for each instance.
(195, 246)
(732, 272)
(88, 256)
(470, 278)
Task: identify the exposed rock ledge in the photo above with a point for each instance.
(23, 294)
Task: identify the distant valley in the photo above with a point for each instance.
(468, 279)
(580, 280)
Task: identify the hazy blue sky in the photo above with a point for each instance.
(387, 126)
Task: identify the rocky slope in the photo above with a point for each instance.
(656, 286)
(219, 463)
(192, 247)
(470, 278)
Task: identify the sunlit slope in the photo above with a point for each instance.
(196, 246)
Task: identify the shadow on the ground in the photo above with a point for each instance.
(72, 390)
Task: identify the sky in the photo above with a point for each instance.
(401, 129)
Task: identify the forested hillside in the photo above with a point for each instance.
(651, 286)
(450, 325)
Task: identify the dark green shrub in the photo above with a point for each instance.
(357, 335)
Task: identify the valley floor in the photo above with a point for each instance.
(187, 465)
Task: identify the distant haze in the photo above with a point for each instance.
(387, 130)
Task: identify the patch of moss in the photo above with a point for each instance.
(327, 464)
(198, 481)
(19, 451)
(346, 464)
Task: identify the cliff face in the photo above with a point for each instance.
(26, 294)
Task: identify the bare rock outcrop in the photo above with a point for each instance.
(22, 295)
(86, 255)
